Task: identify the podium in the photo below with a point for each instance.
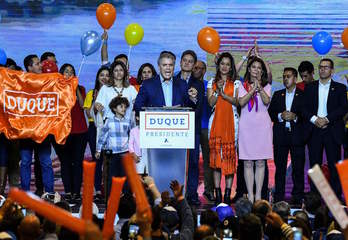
(165, 134)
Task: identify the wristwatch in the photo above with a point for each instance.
(245, 58)
(215, 94)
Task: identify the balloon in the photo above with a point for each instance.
(322, 42)
(90, 43)
(344, 39)
(209, 40)
(134, 33)
(48, 66)
(113, 203)
(3, 57)
(106, 15)
(88, 187)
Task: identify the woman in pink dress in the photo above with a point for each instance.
(255, 126)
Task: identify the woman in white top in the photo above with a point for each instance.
(120, 87)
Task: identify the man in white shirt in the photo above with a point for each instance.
(325, 106)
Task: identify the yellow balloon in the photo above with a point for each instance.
(133, 34)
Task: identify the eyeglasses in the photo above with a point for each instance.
(324, 67)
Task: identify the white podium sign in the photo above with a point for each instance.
(167, 129)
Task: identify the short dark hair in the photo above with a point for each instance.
(118, 101)
(10, 62)
(127, 206)
(327, 60)
(292, 70)
(250, 227)
(243, 207)
(166, 54)
(28, 61)
(306, 66)
(282, 208)
(122, 55)
(312, 202)
(46, 55)
(209, 217)
(64, 66)
(189, 52)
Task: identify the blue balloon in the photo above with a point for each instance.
(90, 43)
(322, 42)
(3, 57)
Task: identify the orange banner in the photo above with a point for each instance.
(36, 105)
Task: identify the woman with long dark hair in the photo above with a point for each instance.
(255, 126)
(71, 154)
(102, 78)
(223, 124)
(119, 87)
(146, 71)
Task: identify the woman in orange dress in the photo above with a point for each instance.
(223, 124)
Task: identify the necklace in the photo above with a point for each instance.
(119, 93)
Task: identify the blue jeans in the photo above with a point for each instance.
(193, 170)
(26, 152)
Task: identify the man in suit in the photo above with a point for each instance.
(187, 62)
(325, 106)
(285, 111)
(164, 89)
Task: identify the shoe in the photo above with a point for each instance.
(68, 197)
(209, 196)
(227, 196)
(39, 192)
(98, 198)
(218, 196)
(77, 198)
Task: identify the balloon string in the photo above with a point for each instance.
(81, 64)
(129, 52)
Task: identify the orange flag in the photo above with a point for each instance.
(36, 105)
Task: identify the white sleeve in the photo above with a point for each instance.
(133, 93)
(101, 98)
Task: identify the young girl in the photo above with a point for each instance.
(134, 148)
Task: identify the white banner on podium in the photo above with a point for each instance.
(167, 129)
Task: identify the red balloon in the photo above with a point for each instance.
(106, 15)
(49, 66)
(344, 38)
(209, 40)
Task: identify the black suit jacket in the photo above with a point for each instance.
(337, 107)
(199, 86)
(278, 105)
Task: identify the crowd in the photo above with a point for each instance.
(173, 218)
(239, 125)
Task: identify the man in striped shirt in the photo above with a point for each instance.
(114, 138)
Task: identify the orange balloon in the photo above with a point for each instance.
(106, 15)
(209, 40)
(344, 38)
